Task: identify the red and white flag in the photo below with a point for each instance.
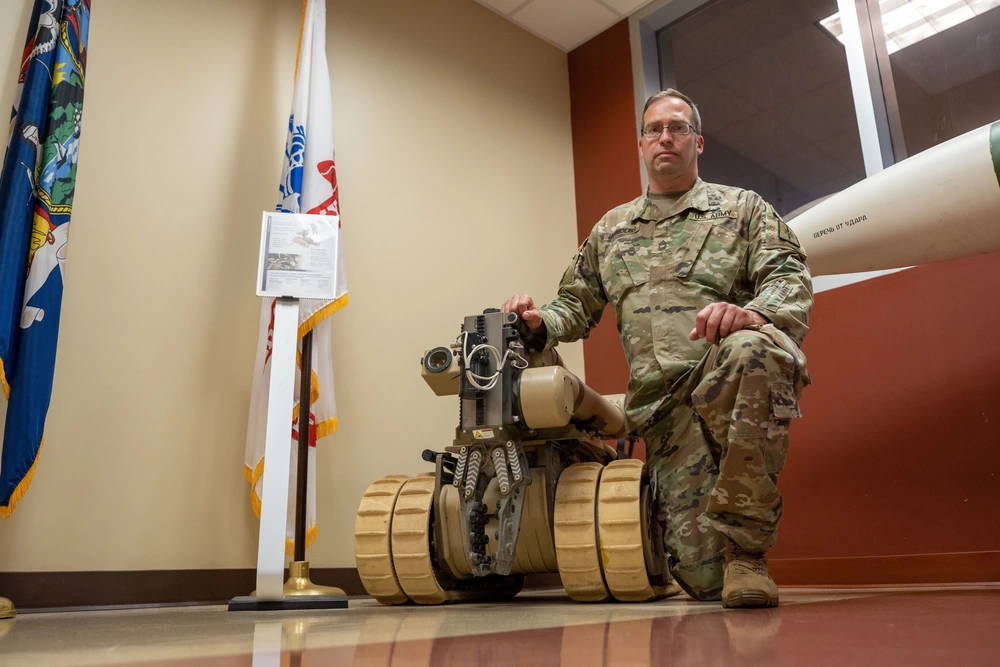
(308, 185)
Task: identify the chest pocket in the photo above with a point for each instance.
(626, 269)
(711, 256)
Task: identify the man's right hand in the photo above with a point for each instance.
(524, 306)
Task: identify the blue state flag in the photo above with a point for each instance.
(36, 199)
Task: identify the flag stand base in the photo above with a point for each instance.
(299, 582)
(7, 608)
(300, 593)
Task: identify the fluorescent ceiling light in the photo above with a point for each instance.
(907, 22)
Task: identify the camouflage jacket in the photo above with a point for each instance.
(660, 260)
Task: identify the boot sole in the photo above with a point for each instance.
(749, 599)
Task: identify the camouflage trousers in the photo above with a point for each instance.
(715, 451)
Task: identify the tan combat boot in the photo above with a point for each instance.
(746, 581)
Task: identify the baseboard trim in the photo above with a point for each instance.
(47, 590)
(969, 566)
(34, 590)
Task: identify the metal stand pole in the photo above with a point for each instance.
(298, 570)
(301, 492)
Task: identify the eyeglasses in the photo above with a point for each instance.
(675, 130)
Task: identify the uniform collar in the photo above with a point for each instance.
(650, 208)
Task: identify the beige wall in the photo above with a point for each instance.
(454, 156)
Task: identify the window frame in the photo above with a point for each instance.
(875, 105)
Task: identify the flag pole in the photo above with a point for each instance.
(298, 582)
(305, 390)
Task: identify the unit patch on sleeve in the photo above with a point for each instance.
(786, 234)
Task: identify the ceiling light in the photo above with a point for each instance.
(907, 22)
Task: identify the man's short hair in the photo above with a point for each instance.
(671, 92)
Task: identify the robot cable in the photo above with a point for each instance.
(490, 381)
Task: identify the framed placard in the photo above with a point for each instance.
(298, 255)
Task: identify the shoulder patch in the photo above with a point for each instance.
(786, 234)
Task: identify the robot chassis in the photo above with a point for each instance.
(528, 486)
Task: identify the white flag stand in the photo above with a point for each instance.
(277, 453)
(298, 257)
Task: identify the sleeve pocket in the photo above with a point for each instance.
(784, 404)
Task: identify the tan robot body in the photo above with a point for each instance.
(527, 486)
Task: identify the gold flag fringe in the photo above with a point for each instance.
(253, 475)
(3, 380)
(22, 487)
(323, 313)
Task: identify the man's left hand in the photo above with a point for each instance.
(717, 320)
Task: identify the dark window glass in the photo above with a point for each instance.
(945, 57)
(774, 95)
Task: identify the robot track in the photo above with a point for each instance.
(394, 548)
(411, 542)
(372, 544)
(576, 540)
(628, 549)
(606, 537)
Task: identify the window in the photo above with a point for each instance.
(774, 95)
(947, 82)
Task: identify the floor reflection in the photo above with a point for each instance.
(902, 626)
(718, 638)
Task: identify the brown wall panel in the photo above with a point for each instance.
(606, 169)
(899, 450)
(881, 570)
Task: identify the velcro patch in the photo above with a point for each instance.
(776, 293)
(786, 234)
(622, 231)
(713, 214)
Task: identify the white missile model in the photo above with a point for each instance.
(942, 203)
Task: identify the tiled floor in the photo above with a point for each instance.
(953, 625)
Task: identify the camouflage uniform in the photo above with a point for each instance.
(714, 417)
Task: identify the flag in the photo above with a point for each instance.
(36, 200)
(308, 185)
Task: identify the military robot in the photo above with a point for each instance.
(529, 485)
